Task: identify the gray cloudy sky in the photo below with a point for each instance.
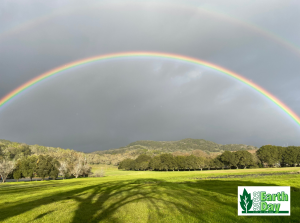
(109, 104)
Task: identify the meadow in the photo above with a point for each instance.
(144, 196)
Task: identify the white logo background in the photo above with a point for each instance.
(255, 196)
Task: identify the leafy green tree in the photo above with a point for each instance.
(143, 158)
(133, 165)
(215, 163)
(17, 173)
(47, 166)
(298, 157)
(23, 150)
(28, 166)
(200, 162)
(244, 158)
(155, 163)
(180, 162)
(125, 164)
(191, 162)
(144, 165)
(291, 155)
(167, 162)
(280, 155)
(142, 162)
(269, 154)
(229, 159)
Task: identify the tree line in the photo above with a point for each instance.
(265, 156)
(169, 162)
(70, 165)
(279, 156)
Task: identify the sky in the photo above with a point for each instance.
(111, 103)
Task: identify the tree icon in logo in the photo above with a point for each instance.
(246, 202)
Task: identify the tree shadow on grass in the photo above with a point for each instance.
(156, 201)
(201, 201)
(42, 215)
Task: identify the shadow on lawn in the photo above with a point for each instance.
(200, 200)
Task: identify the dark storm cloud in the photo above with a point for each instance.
(110, 104)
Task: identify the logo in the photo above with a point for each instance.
(273, 200)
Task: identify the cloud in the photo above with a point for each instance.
(111, 103)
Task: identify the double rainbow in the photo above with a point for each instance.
(57, 70)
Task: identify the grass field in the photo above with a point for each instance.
(143, 196)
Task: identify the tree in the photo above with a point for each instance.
(142, 162)
(244, 158)
(142, 158)
(63, 169)
(6, 167)
(290, 155)
(155, 162)
(216, 163)
(17, 173)
(200, 162)
(269, 154)
(229, 159)
(144, 165)
(47, 166)
(86, 170)
(191, 162)
(167, 162)
(125, 164)
(28, 166)
(77, 169)
(180, 162)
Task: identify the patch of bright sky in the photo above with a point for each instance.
(187, 77)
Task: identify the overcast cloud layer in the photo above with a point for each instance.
(109, 104)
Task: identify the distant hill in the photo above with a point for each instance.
(197, 147)
(184, 145)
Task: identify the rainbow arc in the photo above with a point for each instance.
(191, 60)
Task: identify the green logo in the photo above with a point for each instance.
(246, 202)
(264, 200)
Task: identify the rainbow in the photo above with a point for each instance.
(180, 6)
(191, 60)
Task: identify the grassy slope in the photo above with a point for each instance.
(185, 145)
(143, 196)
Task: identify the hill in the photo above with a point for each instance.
(198, 147)
(184, 146)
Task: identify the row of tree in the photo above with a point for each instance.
(279, 156)
(13, 151)
(170, 162)
(43, 166)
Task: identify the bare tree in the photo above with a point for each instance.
(77, 169)
(86, 170)
(6, 167)
(63, 169)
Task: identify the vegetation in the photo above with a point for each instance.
(144, 196)
(14, 150)
(67, 164)
(20, 160)
(181, 147)
(170, 162)
(279, 156)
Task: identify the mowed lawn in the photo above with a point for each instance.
(143, 196)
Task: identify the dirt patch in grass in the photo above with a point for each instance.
(247, 175)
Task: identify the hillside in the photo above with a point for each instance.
(197, 147)
(184, 145)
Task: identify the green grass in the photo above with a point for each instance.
(142, 196)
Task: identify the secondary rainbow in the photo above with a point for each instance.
(57, 70)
